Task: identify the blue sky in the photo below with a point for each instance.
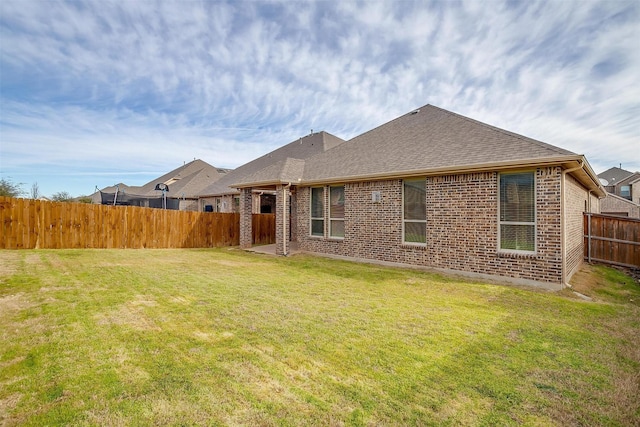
(96, 93)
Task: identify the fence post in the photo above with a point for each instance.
(589, 237)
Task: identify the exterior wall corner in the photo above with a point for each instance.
(246, 232)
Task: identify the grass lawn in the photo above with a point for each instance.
(224, 337)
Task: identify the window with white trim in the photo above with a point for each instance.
(317, 211)
(336, 211)
(517, 230)
(414, 211)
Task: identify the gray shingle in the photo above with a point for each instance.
(428, 138)
(302, 148)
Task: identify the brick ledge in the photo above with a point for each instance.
(517, 256)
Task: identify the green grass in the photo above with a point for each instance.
(224, 337)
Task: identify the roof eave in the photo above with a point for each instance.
(261, 184)
(585, 175)
(478, 167)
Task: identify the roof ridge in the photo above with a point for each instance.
(503, 131)
(393, 120)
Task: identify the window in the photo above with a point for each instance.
(517, 211)
(317, 211)
(625, 191)
(336, 211)
(414, 212)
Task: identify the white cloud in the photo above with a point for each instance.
(227, 82)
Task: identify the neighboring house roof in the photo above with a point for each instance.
(633, 177)
(614, 175)
(622, 200)
(112, 188)
(616, 204)
(186, 181)
(428, 140)
(301, 148)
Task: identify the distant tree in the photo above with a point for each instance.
(62, 196)
(35, 191)
(84, 199)
(10, 189)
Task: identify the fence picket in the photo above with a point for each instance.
(611, 239)
(29, 224)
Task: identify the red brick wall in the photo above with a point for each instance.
(246, 201)
(462, 226)
(282, 227)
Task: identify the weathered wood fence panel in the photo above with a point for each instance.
(30, 224)
(613, 240)
(263, 227)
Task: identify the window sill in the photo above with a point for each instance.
(518, 255)
(335, 239)
(418, 246)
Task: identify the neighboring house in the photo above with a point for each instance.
(183, 185)
(619, 206)
(221, 197)
(438, 190)
(623, 192)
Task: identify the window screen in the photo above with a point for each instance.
(414, 211)
(517, 211)
(317, 211)
(336, 211)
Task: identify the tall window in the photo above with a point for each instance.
(414, 211)
(317, 211)
(625, 191)
(517, 211)
(336, 211)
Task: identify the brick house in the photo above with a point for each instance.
(623, 192)
(438, 190)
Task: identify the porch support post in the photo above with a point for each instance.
(246, 232)
(282, 220)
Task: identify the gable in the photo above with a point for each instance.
(266, 167)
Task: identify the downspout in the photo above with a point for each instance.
(285, 190)
(563, 237)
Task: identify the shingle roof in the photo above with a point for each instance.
(276, 163)
(614, 175)
(287, 170)
(629, 179)
(428, 138)
(426, 141)
(186, 181)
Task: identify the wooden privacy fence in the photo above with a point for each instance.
(263, 227)
(35, 224)
(612, 240)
